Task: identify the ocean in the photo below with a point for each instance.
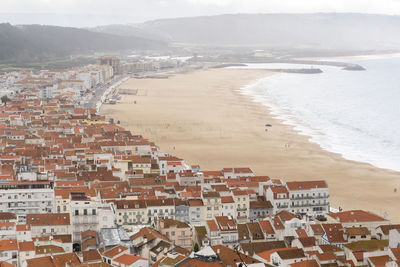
(353, 113)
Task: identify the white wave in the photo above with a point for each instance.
(355, 114)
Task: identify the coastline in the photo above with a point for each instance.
(225, 128)
(255, 91)
(353, 57)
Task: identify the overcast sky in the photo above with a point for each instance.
(83, 13)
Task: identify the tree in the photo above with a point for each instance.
(5, 99)
(196, 247)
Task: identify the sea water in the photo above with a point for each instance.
(353, 113)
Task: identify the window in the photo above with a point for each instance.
(85, 212)
(183, 233)
(173, 233)
(93, 211)
(76, 212)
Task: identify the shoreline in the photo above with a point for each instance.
(285, 117)
(354, 57)
(242, 141)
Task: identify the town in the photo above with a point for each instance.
(77, 189)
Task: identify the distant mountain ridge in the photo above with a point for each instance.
(351, 31)
(38, 42)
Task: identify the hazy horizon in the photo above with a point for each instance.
(64, 20)
(89, 13)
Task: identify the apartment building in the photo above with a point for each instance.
(160, 208)
(89, 215)
(308, 197)
(189, 178)
(279, 198)
(24, 197)
(237, 172)
(358, 218)
(178, 232)
(196, 211)
(228, 206)
(228, 230)
(49, 224)
(212, 204)
(181, 210)
(131, 212)
(259, 209)
(242, 202)
(9, 252)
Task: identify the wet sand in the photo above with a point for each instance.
(201, 117)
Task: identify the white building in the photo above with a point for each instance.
(9, 251)
(196, 211)
(89, 215)
(49, 224)
(308, 197)
(279, 198)
(237, 172)
(189, 178)
(26, 197)
(228, 206)
(160, 208)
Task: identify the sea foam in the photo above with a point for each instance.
(353, 113)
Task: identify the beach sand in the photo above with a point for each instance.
(201, 117)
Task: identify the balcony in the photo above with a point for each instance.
(184, 237)
(282, 206)
(24, 207)
(309, 205)
(241, 209)
(85, 222)
(309, 197)
(230, 241)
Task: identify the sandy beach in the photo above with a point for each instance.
(201, 117)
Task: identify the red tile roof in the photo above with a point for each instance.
(128, 259)
(355, 216)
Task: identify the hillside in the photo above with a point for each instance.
(345, 31)
(37, 42)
